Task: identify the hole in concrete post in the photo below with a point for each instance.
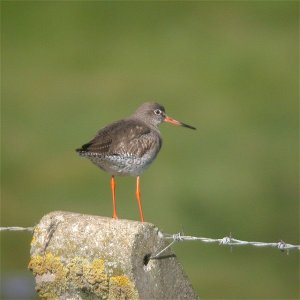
(146, 259)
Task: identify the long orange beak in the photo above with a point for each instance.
(175, 122)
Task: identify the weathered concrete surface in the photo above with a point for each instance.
(75, 256)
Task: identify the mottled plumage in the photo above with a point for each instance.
(128, 147)
(123, 148)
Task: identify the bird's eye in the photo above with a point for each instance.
(157, 112)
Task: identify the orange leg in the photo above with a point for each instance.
(138, 197)
(113, 191)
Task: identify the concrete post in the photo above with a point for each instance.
(76, 256)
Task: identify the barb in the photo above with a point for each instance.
(16, 228)
(176, 238)
(230, 241)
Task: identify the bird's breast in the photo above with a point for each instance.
(129, 158)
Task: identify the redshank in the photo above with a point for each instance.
(127, 147)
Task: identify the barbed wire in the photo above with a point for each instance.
(230, 241)
(179, 237)
(227, 241)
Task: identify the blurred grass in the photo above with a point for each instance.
(228, 68)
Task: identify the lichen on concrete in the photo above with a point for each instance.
(55, 278)
(120, 287)
(49, 264)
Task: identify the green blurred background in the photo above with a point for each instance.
(228, 68)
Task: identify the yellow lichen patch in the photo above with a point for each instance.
(120, 280)
(94, 272)
(87, 277)
(79, 275)
(98, 265)
(36, 264)
(95, 275)
(49, 264)
(121, 287)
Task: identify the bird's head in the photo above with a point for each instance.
(154, 114)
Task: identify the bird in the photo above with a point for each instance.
(128, 147)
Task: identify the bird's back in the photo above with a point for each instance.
(125, 147)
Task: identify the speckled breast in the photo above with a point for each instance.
(123, 165)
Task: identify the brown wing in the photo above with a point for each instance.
(124, 138)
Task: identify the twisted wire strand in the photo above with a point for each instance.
(230, 241)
